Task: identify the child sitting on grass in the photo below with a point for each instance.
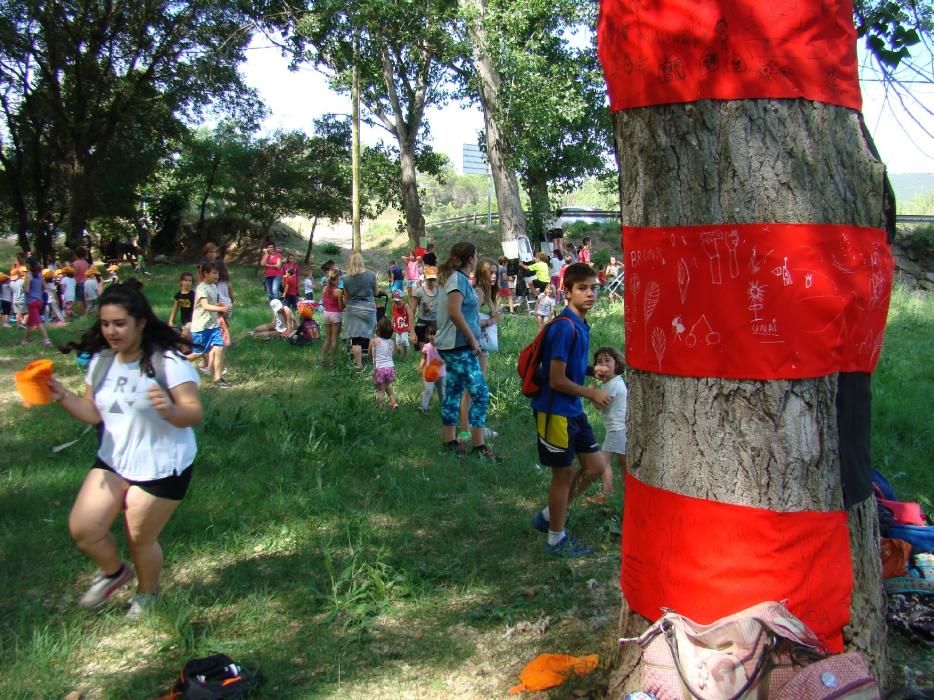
(384, 369)
(608, 368)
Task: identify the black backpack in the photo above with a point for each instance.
(212, 677)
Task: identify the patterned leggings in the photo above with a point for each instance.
(463, 372)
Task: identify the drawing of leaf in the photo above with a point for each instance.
(659, 344)
(651, 301)
(683, 278)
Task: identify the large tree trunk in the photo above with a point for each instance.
(539, 205)
(411, 203)
(505, 182)
(770, 444)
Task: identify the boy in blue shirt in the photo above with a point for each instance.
(562, 428)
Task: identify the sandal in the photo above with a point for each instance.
(484, 452)
(456, 447)
(394, 404)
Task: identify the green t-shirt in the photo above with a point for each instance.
(542, 273)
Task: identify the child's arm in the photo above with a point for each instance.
(172, 315)
(80, 407)
(558, 381)
(371, 349)
(217, 308)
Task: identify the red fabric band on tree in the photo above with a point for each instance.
(756, 301)
(687, 50)
(706, 560)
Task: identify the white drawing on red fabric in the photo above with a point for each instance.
(634, 285)
(783, 273)
(709, 240)
(684, 279)
(711, 337)
(732, 241)
(677, 325)
(659, 344)
(808, 280)
(877, 280)
(652, 293)
(756, 296)
(756, 263)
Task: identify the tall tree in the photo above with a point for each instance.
(484, 76)
(81, 72)
(402, 51)
(554, 110)
(739, 161)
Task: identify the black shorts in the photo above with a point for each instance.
(361, 341)
(172, 488)
(6, 307)
(421, 330)
(561, 438)
(539, 285)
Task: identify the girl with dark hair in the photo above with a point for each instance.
(456, 340)
(147, 444)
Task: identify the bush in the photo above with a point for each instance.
(329, 248)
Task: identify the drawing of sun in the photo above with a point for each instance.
(756, 292)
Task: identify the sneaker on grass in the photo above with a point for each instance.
(102, 587)
(141, 605)
(568, 548)
(540, 522)
(223, 384)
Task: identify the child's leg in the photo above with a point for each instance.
(427, 391)
(379, 394)
(606, 478)
(390, 395)
(217, 360)
(593, 466)
(559, 496)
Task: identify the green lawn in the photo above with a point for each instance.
(328, 544)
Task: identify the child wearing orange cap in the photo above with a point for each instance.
(52, 297)
(69, 285)
(18, 296)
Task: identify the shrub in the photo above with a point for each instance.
(328, 248)
(920, 241)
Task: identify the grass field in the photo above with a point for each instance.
(326, 543)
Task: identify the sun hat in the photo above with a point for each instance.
(275, 305)
(431, 273)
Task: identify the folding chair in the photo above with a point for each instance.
(615, 286)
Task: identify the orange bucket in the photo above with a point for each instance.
(33, 383)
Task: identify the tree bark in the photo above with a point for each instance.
(311, 240)
(764, 444)
(505, 183)
(411, 202)
(539, 205)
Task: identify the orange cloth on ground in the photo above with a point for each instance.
(895, 556)
(550, 670)
(33, 383)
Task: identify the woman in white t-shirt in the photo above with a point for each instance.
(147, 408)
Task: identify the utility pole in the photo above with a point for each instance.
(355, 146)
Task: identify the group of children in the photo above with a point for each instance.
(60, 293)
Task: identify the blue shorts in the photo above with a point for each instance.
(396, 286)
(79, 292)
(560, 438)
(203, 341)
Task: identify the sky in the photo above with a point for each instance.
(296, 98)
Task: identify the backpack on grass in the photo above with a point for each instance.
(212, 677)
(529, 365)
(306, 332)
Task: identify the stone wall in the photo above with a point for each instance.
(914, 269)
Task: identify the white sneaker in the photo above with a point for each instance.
(140, 605)
(102, 587)
(490, 434)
